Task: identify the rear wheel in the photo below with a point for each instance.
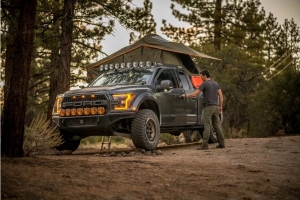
(212, 136)
(187, 136)
(145, 131)
(191, 136)
(68, 142)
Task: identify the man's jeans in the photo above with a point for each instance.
(211, 117)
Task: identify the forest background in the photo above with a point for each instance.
(45, 46)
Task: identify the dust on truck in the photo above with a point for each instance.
(135, 93)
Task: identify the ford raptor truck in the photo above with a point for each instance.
(134, 100)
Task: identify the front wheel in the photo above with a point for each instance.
(68, 142)
(145, 130)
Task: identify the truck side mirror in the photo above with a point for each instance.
(166, 85)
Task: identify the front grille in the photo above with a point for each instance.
(87, 98)
(85, 102)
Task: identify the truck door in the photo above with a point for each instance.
(171, 105)
(191, 103)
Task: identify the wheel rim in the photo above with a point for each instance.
(150, 129)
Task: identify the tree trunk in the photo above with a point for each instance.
(218, 25)
(17, 71)
(54, 66)
(66, 45)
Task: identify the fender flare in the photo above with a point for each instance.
(146, 96)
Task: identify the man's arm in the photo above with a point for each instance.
(193, 94)
(220, 100)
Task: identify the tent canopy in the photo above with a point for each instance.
(153, 48)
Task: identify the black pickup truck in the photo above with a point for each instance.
(134, 100)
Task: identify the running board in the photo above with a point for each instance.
(182, 128)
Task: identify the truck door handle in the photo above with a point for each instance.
(193, 98)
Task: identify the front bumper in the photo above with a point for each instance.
(96, 125)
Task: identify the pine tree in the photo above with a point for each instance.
(91, 22)
(271, 31)
(17, 65)
(219, 22)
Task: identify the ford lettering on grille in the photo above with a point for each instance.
(85, 103)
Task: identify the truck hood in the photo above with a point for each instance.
(108, 89)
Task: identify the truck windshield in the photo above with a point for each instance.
(123, 77)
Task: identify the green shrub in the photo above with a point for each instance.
(168, 138)
(97, 139)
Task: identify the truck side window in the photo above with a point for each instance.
(184, 81)
(168, 74)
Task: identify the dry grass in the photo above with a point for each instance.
(40, 136)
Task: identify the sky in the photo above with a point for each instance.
(281, 9)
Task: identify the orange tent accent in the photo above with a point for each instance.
(196, 81)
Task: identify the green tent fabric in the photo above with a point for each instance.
(153, 48)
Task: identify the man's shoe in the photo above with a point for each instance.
(220, 146)
(202, 147)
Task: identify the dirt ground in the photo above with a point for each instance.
(248, 168)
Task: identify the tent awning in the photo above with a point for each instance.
(156, 42)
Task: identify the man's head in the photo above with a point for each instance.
(205, 74)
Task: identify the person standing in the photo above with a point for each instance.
(213, 102)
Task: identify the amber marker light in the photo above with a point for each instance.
(68, 112)
(79, 111)
(93, 96)
(73, 111)
(83, 96)
(62, 112)
(73, 97)
(94, 111)
(101, 110)
(86, 111)
(134, 108)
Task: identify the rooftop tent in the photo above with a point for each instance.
(152, 48)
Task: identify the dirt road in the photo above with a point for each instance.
(257, 168)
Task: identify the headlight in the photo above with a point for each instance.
(86, 111)
(73, 111)
(148, 64)
(142, 64)
(129, 65)
(123, 65)
(125, 101)
(101, 68)
(57, 105)
(79, 111)
(135, 64)
(68, 112)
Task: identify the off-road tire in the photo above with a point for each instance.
(68, 142)
(145, 130)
